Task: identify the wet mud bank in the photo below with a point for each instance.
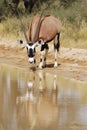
(72, 62)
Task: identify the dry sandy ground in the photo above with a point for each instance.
(72, 62)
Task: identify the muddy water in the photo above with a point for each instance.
(41, 101)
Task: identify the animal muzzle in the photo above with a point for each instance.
(31, 59)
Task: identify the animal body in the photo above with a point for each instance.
(43, 30)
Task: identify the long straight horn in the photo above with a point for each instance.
(23, 27)
(39, 23)
(37, 28)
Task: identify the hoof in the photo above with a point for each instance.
(56, 64)
(40, 67)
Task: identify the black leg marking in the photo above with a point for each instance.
(44, 49)
(45, 59)
(56, 46)
(34, 61)
(45, 46)
(57, 43)
(58, 38)
(40, 59)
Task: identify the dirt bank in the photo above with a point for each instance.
(72, 62)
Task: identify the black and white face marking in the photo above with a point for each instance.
(31, 47)
(31, 52)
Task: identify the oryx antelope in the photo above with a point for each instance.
(41, 31)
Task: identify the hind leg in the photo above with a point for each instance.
(56, 58)
(56, 49)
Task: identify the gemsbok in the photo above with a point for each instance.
(42, 31)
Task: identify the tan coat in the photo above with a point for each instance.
(45, 28)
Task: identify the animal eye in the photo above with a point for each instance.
(21, 42)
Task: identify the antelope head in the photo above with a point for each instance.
(31, 46)
(31, 49)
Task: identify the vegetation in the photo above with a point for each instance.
(72, 13)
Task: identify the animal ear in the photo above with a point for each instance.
(23, 44)
(19, 41)
(41, 42)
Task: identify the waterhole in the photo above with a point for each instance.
(41, 101)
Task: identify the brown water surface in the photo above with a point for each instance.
(41, 101)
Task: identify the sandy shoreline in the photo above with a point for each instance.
(73, 62)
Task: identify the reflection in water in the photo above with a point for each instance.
(41, 101)
(40, 108)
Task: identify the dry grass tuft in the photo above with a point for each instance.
(72, 35)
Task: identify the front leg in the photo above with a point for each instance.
(44, 51)
(35, 65)
(41, 60)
